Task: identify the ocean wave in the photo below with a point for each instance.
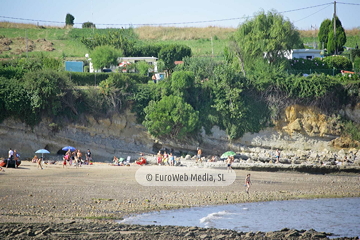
(214, 216)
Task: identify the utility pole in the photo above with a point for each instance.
(335, 27)
(212, 47)
(26, 43)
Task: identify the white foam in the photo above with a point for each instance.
(214, 216)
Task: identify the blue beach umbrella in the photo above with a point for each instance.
(42, 151)
(69, 148)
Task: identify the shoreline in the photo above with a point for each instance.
(101, 193)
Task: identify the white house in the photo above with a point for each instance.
(303, 53)
(150, 60)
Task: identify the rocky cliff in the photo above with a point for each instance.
(299, 128)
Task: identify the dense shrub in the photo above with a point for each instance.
(308, 66)
(354, 53)
(338, 62)
(85, 78)
(88, 25)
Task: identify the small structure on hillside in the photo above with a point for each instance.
(74, 66)
(123, 61)
(303, 53)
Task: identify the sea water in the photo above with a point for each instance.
(340, 216)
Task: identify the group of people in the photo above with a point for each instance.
(76, 158)
(166, 159)
(13, 155)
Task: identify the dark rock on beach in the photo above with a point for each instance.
(75, 230)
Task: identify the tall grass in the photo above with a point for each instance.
(206, 41)
(23, 25)
(185, 33)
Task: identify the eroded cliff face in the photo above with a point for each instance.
(300, 128)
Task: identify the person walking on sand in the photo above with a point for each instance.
(39, 163)
(229, 161)
(247, 183)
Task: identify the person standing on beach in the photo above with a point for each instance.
(88, 157)
(277, 154)
(159, 158)
(171, 159)
(11, 156)
(40, 159)
(79, 157)
(229, 160)
(198, 156)
(247, 183)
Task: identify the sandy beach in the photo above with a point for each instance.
(101, 193)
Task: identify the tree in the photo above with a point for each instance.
(88, 25)
(182, 85)
(104, 56)
(122, 39)
(336, 45)
(203, 68)
(142, 68)
(69, 20)
(338, 62)
(267, 33)
(170, 117)
(227, 86)
(323, 34)
(172, 53)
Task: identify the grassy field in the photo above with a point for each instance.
(65, 42)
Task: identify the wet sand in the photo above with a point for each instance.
(104, 193)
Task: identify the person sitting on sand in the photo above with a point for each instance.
(141, 161)
(35, 158)
(116, 160)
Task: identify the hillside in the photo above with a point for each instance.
(31, 40)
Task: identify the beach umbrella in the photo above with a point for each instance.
(69, 148)
(42, 151)
(227, 154)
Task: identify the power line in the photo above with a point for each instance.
(349, 3)
(179, 23)
(311, 14)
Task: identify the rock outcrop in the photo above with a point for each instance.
(300, 128)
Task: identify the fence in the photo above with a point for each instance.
(332, 72)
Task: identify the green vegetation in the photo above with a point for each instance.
(336, 42)
(197, 95)
(69, 20)
(104, 56)
(88, 25)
